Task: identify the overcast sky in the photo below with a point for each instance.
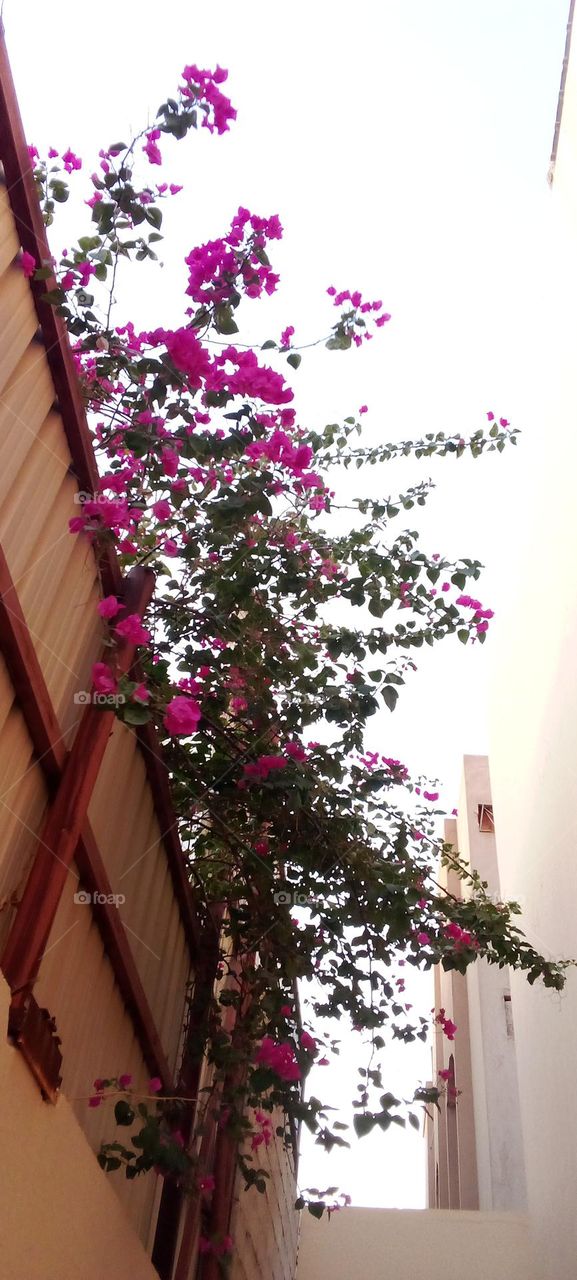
(405, 147)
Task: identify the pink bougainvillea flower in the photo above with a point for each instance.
(103, 679)
(109, 607)
(132, 630)
(71, 161)
(98, 1084)
(182, 716)
(279, 1058)
(151, 149)
(141, 693)
(286, 1010)
(124, 1081)
(95, 1100)
(27, 264)
(430, 795)
(170, 547)
(423, 938)
(448, 1026)
(308, 1042)
(154, 1084)
(445, 1074)
(259, 771)
(189, 355)
(207, 1183)
(162, 510)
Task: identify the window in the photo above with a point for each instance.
(485, 817)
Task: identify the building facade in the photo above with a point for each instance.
(475, 1147)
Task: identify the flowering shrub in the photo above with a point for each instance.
(252, 646)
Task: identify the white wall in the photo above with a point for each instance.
(534, 747)
(412, 1244)
(498, 1130)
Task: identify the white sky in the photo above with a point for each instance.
(405, 147)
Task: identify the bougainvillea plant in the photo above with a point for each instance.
(271, 642)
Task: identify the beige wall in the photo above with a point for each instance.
(412, 1244)
(60, 1218)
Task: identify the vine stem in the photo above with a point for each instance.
(138, 1097)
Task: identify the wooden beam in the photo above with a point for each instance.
(28, 680)
(64, 820)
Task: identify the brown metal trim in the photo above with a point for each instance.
(561, 98)
(64, 820)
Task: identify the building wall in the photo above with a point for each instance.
(495, 1090)
(413, 1244)
(60, 1215)
(265, 1226)
(534, 744)
(475, 1143)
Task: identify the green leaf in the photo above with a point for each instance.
(223, 319)
(364, 1123)
(390, 696)
(317, 1210)
(414, 1121)
(123, 1113)
(54, 297)
(294, 359)
(153, 215)
(135, 714)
